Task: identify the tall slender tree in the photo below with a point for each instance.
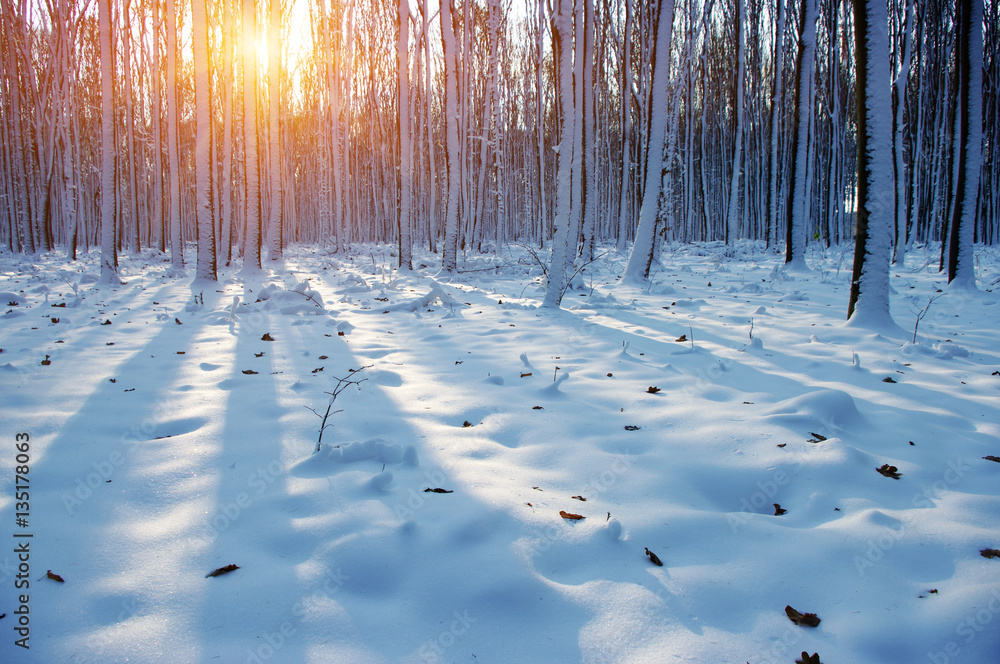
(797, 216)
(405, 142)
(251, 163)
(274, 226)
(173, 120)
(206, 266)
(562, 258)
(109, 250)
(733, 210)
(969, 58)
(449, 257)
(641, 257)
(869, 299)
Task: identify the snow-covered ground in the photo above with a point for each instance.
(167, 439)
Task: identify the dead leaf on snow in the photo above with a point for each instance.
(889, 471)
(571, 517)
(222, 570)
(802, 619)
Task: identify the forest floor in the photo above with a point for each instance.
(170, 431)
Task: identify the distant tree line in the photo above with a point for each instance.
(149, 124)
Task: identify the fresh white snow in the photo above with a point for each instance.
(175, 441)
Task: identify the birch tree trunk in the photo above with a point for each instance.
(274, 130)
(556, 277)
(449, 258)
(961, 273)
(251, 167)
(176, 241)
(227, 132)
(405, 145)
(206, 266)
(733, 212)
(109, 255)
(625, 187)
(869, 300)
(641, 258)
(798, 208)
(899, 172)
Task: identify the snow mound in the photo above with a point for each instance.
(832, 410)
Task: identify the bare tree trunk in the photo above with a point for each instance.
(798, 207)
(961, 260)
(449, 259)
(109, 255)
(251, 245)
(274, 132)
(869, 301)
(641, 258)
(732, 217)
(176, 242)
(404, 133)
(206, 267)
(562, 34)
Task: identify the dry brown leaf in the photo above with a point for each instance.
(222, 570)
(802, 619)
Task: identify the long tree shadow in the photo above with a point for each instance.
(326, 541)
(106, 489)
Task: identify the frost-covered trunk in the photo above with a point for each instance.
(449, 258)
(562, 34)
(589, 175)
(624, 197)
(733, 212)
(19, 200)
(405, 151)
(251, 243)
(899, 172)
(961, 271)
(157, 138)
(777, 100)
(135, 235)
(274, 226)
(869, 301)
(109, 256)
(173, 119)
(203, 143)
(798, 208)
(66, 139)
(227, 134)
(639, 261)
